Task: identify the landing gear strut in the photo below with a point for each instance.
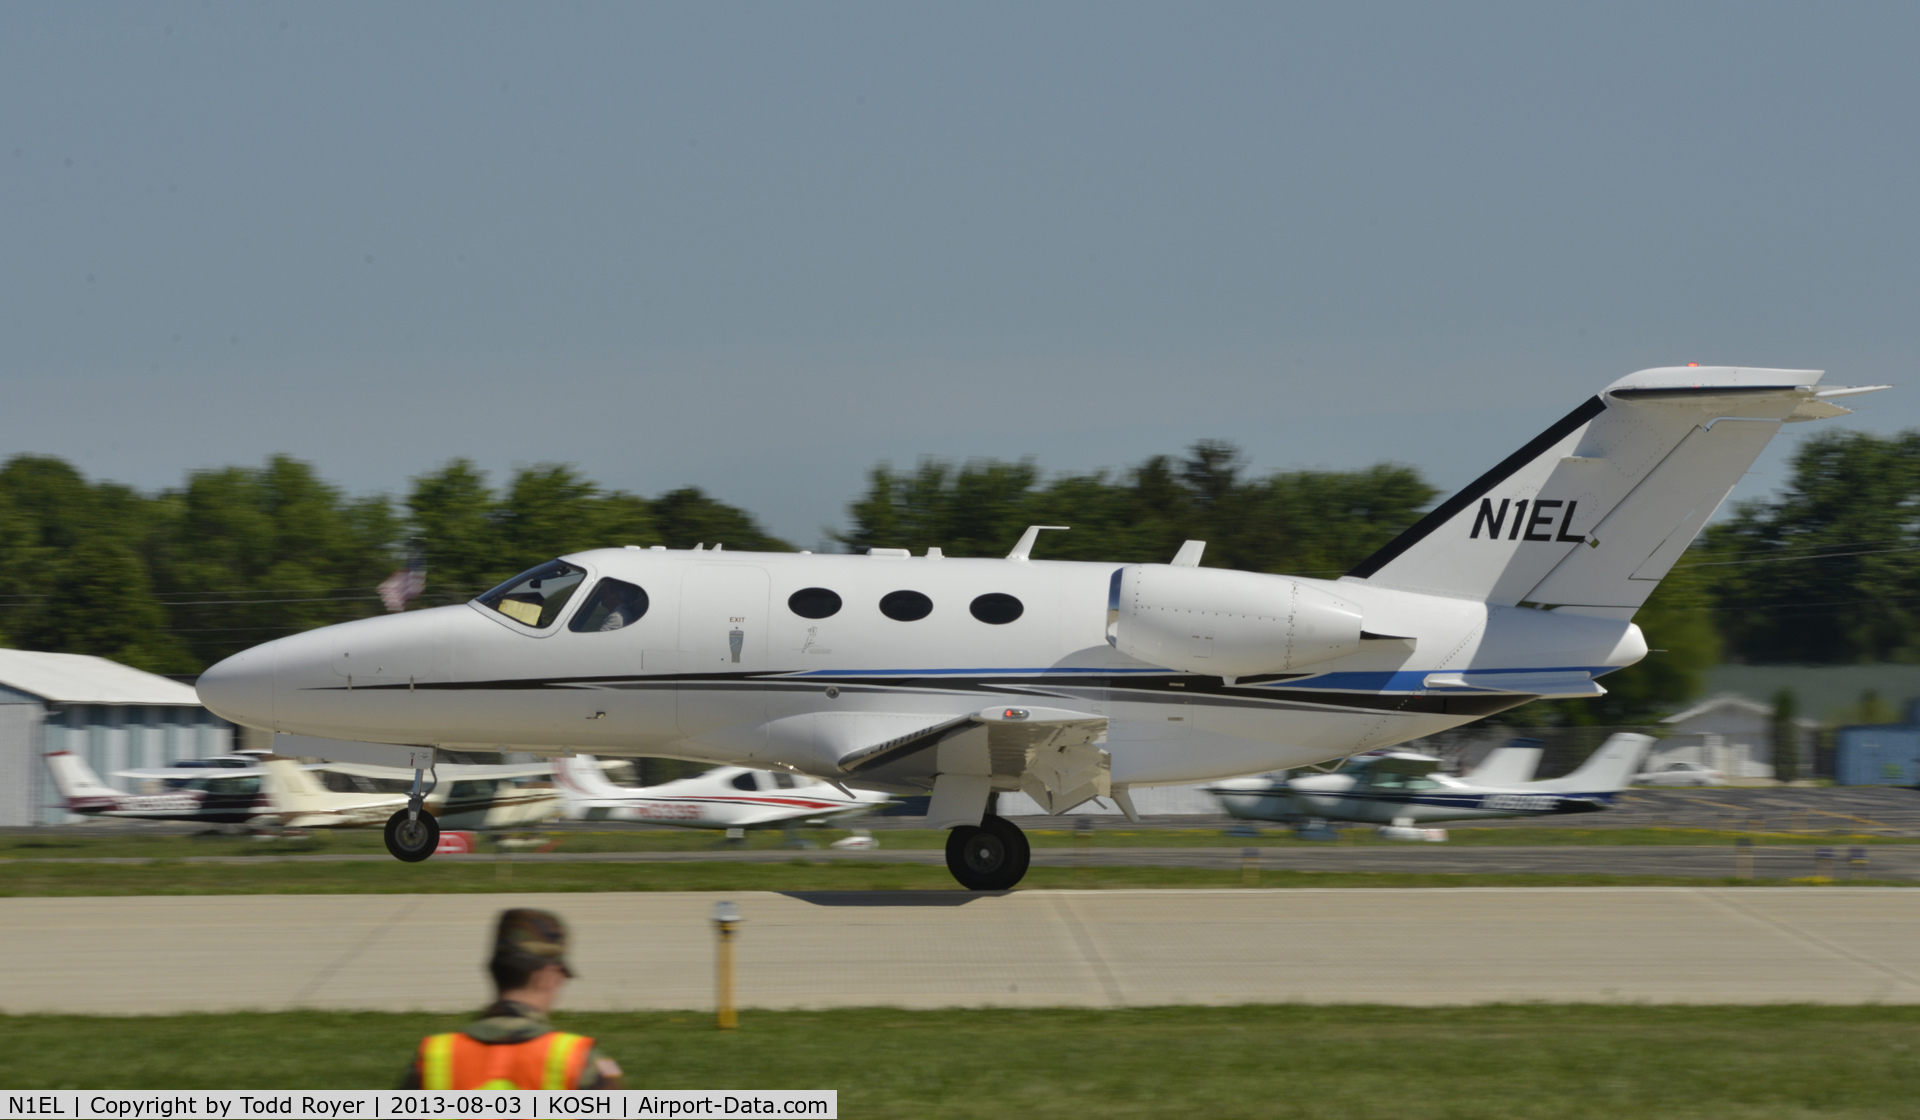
(992, 857)
(412, 833)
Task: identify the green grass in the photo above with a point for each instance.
(76, 843)
(1347, 1062)
(165, 877)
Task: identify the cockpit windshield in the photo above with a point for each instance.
(535, 598)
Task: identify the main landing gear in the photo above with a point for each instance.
(412, 838)
(412, 833)
(991, 857)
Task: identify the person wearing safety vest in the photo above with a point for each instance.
(511, 1046)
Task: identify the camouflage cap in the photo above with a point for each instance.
(531, 937)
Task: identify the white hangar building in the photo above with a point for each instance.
(113, 716)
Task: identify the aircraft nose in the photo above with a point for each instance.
(240, 688)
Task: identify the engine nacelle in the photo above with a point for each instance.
(1226, 623)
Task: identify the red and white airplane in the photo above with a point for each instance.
(724, 797)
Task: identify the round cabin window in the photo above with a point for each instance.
(996, 609)
(906, 606)
(814, 602)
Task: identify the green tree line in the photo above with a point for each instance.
(1827, 571)
(174, 581)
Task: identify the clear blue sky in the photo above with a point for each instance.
(758, 248)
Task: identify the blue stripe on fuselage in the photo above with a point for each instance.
(1402, 680)
(1397, 680)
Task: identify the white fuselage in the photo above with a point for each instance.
(720, 669)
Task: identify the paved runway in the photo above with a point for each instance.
(934, 949)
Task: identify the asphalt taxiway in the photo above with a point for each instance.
(122, 955)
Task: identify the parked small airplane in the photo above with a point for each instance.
(280, 793)
(481, 798)
(724, 797)
(209, 795)
(1066, 680)
(1402, 789)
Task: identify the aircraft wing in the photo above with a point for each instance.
(446, 771)
(165, 773)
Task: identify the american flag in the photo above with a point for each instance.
(403, 586)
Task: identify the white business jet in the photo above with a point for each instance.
(724, 797)
(1066, 680)
(1402, 789)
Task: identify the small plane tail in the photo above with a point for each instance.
(1608, 770)
(580, 776)
(1509, 765)
(292, 787)
(1593, 512)
(74, 779)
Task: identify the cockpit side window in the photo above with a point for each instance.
(744, 781)
(535, 598)
(614, 603)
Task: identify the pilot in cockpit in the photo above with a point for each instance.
(615, 603)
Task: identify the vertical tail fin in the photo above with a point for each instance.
(1595, 510)
(292, 788)
(75, 779)
(1609, 770)
(1510, 765)
(581, 776)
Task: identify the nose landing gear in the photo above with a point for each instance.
(991, 857)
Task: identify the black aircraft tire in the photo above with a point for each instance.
(412, 841)
(992, 857)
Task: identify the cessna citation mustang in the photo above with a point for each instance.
(1065, 680)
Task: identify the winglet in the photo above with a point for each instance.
(1024, 549)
